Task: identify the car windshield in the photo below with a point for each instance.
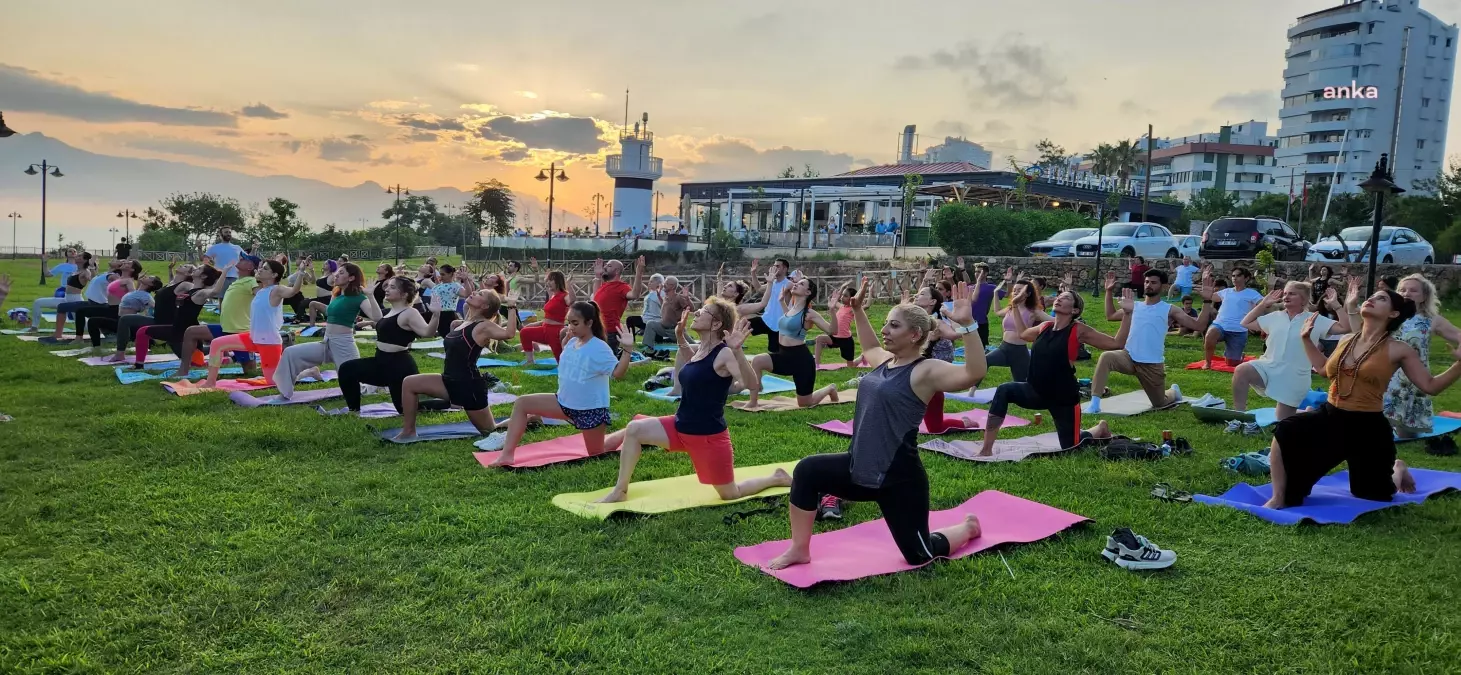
(1115, 230)
(1072, 235)
(1231, 226)
(1362, 234)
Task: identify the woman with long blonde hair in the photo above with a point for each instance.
(1407, 407)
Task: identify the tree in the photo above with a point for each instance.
(1424, 214)
(1267, 205)
(280, 226)
(192, 219)
(1051, 155)
(809, 172)
(491, 205)
(1210, 204)
(788, 172)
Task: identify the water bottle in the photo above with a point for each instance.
(1166, 449)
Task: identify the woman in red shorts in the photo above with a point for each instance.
(698, 427)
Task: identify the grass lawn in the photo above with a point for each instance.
(144, 532)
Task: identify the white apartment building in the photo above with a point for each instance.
(1240, 162)
(958, 150)
(1365, 78)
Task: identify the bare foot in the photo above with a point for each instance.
(791, 557)
(782, 478)
(402, 437)
(1404, 482)
(115, 358)
(1102, 430)
(612, 497)
(1273, 503)
(310, 374)
(969, 422)
(832, 395)
(971, 526)
(504, 459)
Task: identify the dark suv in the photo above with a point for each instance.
(1243, 238)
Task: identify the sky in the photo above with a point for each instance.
(448, 93)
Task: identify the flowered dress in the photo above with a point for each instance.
(1405, 405)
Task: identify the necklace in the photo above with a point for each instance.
(1353, 371)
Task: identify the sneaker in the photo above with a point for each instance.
(1209, 401)
(493, 442)
(852, 383)
(1095, 407)
(1440, 446)
(1234, 426)
(501, 388)
(1251, 429)
(1134, 552)
(830, 508)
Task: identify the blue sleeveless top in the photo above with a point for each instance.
(702, 404)
(793, 325)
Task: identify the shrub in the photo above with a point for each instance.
(961, 229)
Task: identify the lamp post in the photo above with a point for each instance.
(13, 216)
(654, 227)
(127, 215)
(114, 232)
(5, 132)
(47, 170)
(398, 191)
(549, 174)
(801, 203)
(598, 197)
(1380, 185)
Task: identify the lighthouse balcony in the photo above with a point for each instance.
(637, 167)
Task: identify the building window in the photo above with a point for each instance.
(1433, 39)
(1237, 160)
(1420, 144)
(1425, 103)
(1207, 158)
(1354, 71)
(1448, 42)
(1371, 27)
(1356, 50)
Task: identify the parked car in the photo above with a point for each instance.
(1059, 246)
(1397, 245)
(1129, 240)
(1190, 246)
(1242, 238)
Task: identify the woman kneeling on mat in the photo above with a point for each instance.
(794, 359)
(1351, 426)
(1410, 411)
(266, 318)
(1052, 385)
(1280, 374)
(338, 344)
(460, 382)
(392, 362)
(698, 426)
(584, 370)
(882, 464)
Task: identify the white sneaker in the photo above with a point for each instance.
(1134, 552)
(1209, 401)
(1095, 407)
(493, 442)
(1234, 426)
(1178, 391)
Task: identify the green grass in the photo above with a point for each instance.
(143, 532)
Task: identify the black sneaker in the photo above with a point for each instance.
(830, 508)
(1440, 446)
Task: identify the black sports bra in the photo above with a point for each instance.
(389, 331)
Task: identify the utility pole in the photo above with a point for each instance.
(398, 191)
(598, 198)
(13, 217)
(1146, 190)
(47, 169)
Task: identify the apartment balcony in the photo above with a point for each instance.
(1344, 15)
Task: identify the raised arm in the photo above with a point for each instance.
(819, 321)
(1250, 320)
(282, 293)
(626, 353)
(488, 330)
(735, 342)
(635, 289)
(1208, 292)
(950, 377)
(755, 283)
(598, 276)
(1112, 314)
(867, 338)
(370, 308)
(1317, 360)
(1341, 325)
(1104, 342)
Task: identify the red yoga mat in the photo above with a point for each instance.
(867, 549)
(839, 365)
(1218, 364)
(953, 424)
(543, 453)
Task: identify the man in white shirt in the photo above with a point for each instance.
(1145, 352)
(1182, 284)
(225, 255)
(1228, 327)
(1283, 372)
(776, 281)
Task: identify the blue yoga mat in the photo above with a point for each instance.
(126, 375)
(541, 372)
(1440, 426)
(310, 331)
(434, 432)
(769, 385)
(1331, 501)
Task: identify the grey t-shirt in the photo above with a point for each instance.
(888, 413)
(653, 300)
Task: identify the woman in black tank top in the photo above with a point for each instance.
(164, 309)
(1052, 385)
(392, 362)
(460, 382)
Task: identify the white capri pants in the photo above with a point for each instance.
(336, 349)
(51, 304)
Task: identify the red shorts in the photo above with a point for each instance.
(710, 455)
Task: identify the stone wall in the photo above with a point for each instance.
(1447, 278)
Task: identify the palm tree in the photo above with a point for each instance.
(1124, 157)
(1100, 159)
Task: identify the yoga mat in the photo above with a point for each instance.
(1005, 449)
(668, 494)
(69, 353)
(541, 372)
(434, 432)
(867, 549)
(552, 451)
(1221, 415)
(783, 403)
(1440, 426)
(429, 344)
(13, 331)
(981, 397)
(955, 422)
(1125, 405)
(310, 331)
(190, 389)
(29, 338)
(151, 359)
(770, 384)
(384, 409)
(303, 396)
(859, 363)
(1218, 364)
(1330, 502)
(128, 375)
(484, 362)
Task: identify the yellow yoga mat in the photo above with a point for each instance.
(667, 494)
(787, 404)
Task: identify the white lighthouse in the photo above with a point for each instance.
(634, 170)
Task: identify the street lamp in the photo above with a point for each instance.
(5, 132)
(47, 170)
(128, 215)
(114, 232)
(655, 226)
(398, 191)
(1380, 185)
(549, 174)
(598, 197)
(13, 216)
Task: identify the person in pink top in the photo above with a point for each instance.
(842, 337)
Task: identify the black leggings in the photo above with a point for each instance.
(443, 326)
(1012, 356)
(773, 339)
(76, 309)
(383, 369)
(100, 315)
(1067, 418)
(798, 364)
(903, 498)
(127, 327)
(300, 305)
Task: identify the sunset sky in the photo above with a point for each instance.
(447, 93)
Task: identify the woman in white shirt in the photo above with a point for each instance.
(1282, 373)
(584, 369)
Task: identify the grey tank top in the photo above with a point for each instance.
(886, 422)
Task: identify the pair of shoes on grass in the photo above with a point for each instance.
(1134, 552)
(1246, 428)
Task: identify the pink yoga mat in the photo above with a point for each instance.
(955, 423)
(1218, 365)
(839, 365)
(867, 549)
(151, 358)
(384, 409)
(543, 453)
(222, 385)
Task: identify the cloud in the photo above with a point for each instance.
(1129, 108)
(261, 111)
(1259, 102)
(429, 122)
(722, 158)
(344, 150)
(181, 147)
(595, 95)
(420, 137)
(1012, 74)
(526, 94)
(27, 90)
(546, 131)
(964, 130)
(398, 105)
(466, 67)
(358, 137)
(509, 154)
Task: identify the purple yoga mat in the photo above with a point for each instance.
(867, 549)
(248, 400)
(384, 409)
(954, 423)
(1331, 501)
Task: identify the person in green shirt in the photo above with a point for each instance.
(233, 317)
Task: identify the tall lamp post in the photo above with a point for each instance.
(46, 170)
(5, 132)
(1380, 185)
(114, 232)
(398, 191)
(13, 216)
(549, 174)
(598, 197)
(655, 225)
(127, 215)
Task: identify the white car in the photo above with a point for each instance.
(1128, 240)
(1190, 246)
(1398, 245)
(1059, 246)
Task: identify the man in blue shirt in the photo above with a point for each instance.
(225, 255)
(1182, 285)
